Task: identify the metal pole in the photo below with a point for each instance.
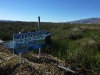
(20, 58)
(67, 69)
(13, 52)
(39, 53)
(13, 44)
(39, 22)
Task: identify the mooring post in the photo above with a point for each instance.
(39, 53)
(20, 58)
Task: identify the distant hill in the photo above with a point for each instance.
(7, 21)
(14, 21)
(81, 21)
(87, 21)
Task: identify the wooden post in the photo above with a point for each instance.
(13, 45)
(39, 53)
(13, 52)
(39, 22)
(20, 58)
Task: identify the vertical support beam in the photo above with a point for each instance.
(13, 44)
(39, 22)
(20, 58)
(39, 53)
(13, 52)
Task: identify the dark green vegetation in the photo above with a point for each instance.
(74, 43)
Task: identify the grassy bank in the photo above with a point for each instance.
(74, 43)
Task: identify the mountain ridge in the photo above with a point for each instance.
(87, 21)
(95, 20)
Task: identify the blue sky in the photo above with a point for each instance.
(49, 10)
